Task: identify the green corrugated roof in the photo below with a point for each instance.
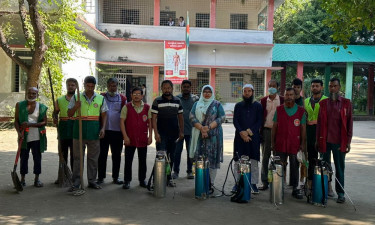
(322, 53)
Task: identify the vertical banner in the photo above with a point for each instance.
(175, 61)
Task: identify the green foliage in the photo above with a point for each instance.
(63, 39)
(348, 17)
(61, 36)
(301, 22)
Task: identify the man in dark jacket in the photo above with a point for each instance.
(248, 119)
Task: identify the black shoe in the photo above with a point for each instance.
(143, 184)
(73, 188)
(94, 186)
(297, 194)
(100, 181)
(340, 199)
(263, 188)
(190, 175)
(118, 181)
(23, 183)
(126, 185)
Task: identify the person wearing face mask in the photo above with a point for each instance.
(113, 135)
(168, 123)
(289, 136)
(206, 116)
(248, 119)
(269, 104)
(334, 132)
(30, 120)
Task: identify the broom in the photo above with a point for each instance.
(64, 175)
(16, 180)
(81, 191)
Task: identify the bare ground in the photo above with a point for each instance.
(113, 205)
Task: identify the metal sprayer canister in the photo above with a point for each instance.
(245, 169)
(277, 185)
(318, 185)
(160, 178)
(200, 179)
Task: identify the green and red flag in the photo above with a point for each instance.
(187, 30)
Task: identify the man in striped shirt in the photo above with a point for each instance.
(168, 122)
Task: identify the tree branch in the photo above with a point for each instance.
(11, 53)
(40, 47)
(23, 15)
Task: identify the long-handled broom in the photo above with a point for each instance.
(81, 191)
(16, 181)
(64, 175)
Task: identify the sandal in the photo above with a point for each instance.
(38, 184)
(94, 186)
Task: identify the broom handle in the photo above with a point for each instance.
(80, 138)
(18, 151)
(61, 158)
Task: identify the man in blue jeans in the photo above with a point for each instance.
(168, 123)
(187, 101)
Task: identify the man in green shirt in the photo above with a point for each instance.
(94, 118)
(312, 109)
(64, 122)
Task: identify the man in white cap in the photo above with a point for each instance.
(248, 119)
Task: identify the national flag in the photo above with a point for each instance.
(187, 30)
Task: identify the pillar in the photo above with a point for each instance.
(156, 12)
(349, 80)
(283, 79)
(300, 74)
(213, 14)
(213, 77)
(327, 77)
(271, 9)
(370, 91)
(268, 77)
(155, 86)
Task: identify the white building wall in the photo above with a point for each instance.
(204, 55)
(6, 69)
(83, 63)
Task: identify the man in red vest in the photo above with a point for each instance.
(334, 132)
(289, 136)
(136, 129)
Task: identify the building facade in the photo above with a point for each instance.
(231, 44)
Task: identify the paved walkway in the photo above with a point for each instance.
(113, 205)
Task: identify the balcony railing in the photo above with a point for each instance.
(205, 35)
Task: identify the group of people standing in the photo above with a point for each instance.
(283, 125)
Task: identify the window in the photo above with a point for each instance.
(20, 76)
(201, 80)
(262, 19)
(238, 21)
(90, 6)
(202, 20)
(164, 17)
(129, 16)
(236, 80)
